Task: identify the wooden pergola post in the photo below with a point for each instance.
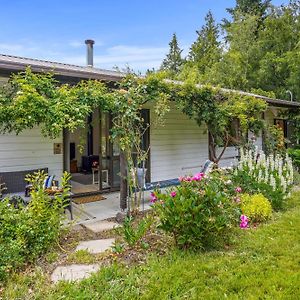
(123, 182)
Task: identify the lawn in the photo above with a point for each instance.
(262, 263)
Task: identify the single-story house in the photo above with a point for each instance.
(177, 148)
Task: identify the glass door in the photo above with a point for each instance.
(109, 158)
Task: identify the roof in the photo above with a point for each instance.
(270, 101)
(16, 63)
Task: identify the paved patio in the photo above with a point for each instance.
(104, 209)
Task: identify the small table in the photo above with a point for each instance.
(104, 173)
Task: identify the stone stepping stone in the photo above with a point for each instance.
(100, 226)
(96, 246)
(73, 272)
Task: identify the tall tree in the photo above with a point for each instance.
(243, 8)
(240, 59)
(250, 7)
(173, 61)
(206, 50)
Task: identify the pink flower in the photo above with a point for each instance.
(181, 178)
(198, 177)
(237, 199)
(238, 189)
(153, 197)
(188, 178)
(244, 222)
(173, 194)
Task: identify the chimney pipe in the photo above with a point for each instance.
(89, 52)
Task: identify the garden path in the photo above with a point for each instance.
(76, 272)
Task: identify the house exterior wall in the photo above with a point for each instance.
(29, 150)
(179, 147)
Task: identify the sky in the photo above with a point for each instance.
(129, 32)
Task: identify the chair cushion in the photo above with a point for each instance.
(49, 182)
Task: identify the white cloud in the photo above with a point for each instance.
(138, 58)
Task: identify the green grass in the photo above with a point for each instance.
(262, 264)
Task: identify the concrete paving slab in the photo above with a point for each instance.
(107, 208)
(73, 272)
(100, 226)
(95, 246)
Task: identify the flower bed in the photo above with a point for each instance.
(203, 210)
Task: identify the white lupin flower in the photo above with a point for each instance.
(271, 169)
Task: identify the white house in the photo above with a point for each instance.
(177, 148)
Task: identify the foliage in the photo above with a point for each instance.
(133, 232)
(33, 99)
(274, 141)
(256, 207)
(260, 263)
(270, 175)
(28, 231)
(197, 213)
(218, 111)
(129, 127)
(173, 61)
(206, 50)
(293, 115)
(260, 50)
(295, 155)
(252, 7)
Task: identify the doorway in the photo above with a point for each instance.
(91, 158)
(95, 163)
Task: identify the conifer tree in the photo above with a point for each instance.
(173, 61)
(250, 7)
(206, 50)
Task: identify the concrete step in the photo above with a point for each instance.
(73, 272)
(100, 226)
(96, 246)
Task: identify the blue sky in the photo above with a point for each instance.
(132, 32)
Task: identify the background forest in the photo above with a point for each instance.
(256, 50)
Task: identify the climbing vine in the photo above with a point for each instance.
(31, 99)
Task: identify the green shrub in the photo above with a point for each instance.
(295, 155)
(256, 207)
(28, 231)
(198, 213)
(133, 232)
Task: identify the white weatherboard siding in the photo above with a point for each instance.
(229, 158)
(179, 147)
(29, 150)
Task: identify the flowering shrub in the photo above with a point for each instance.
(198, 213)
(256, 207)
(270, 175)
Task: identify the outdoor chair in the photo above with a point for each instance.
(206, 169)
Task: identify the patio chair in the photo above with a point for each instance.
(207, 167)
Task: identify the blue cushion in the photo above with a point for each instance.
(49, 182)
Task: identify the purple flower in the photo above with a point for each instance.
(173, 194)
(238, 189)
